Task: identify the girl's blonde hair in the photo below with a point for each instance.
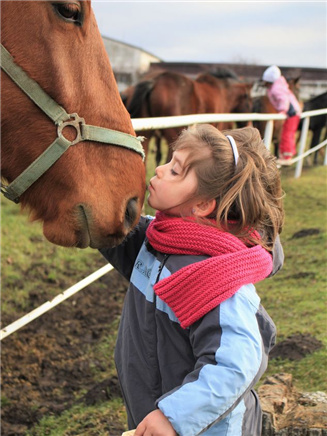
(248, 195)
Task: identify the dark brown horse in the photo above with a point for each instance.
(318, 124)
(93, 194)
(170, 94)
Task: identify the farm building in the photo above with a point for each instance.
(128, 62)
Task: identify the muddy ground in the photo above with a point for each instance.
(46, 363)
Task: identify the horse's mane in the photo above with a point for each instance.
(141, 92)
(223, 73)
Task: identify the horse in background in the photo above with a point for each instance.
(317, 124)
(93, 195)
(167, 94)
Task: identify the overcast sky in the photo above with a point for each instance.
(286, 33)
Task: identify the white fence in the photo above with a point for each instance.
(155, 123)
(162, 123)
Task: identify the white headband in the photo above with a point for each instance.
(234, 148)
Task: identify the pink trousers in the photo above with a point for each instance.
(287, 145)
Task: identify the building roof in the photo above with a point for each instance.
(247, 71)
(131, 46)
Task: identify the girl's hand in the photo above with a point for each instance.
(155, 424)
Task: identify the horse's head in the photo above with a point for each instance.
(93, 195)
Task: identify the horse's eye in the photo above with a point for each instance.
(69, 11)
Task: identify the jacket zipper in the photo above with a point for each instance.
(162, 264)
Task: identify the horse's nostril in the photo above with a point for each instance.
(130, 212)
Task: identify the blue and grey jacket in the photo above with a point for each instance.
(201, 377)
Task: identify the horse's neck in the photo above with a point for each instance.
(228, 93)
(210, 94)
(233, 93)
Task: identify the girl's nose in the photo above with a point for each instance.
(159, 171)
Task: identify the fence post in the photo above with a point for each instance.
(268, 133)
(303, 140)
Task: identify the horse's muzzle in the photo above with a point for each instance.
(97, 234)
(131, 213)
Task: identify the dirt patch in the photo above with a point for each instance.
(296, 347)
(305, 232)
(46, 363)
(105, 390)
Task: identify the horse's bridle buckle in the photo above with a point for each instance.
(74, 121)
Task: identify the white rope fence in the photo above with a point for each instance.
(140, 124)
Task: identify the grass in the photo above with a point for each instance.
(295, 298)
(101, 419)
(28, 260)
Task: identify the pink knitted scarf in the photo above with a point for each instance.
(198, 288)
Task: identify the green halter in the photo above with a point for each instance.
(61, 119)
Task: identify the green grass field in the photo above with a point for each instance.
(295, 298)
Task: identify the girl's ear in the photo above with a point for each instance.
(204, 208)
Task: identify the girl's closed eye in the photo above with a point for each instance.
(175, 168)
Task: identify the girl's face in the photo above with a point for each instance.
(170, 190)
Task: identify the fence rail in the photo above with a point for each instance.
(141, 124)
(155, 123)
(45, 307)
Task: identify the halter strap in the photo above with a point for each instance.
(62, 119)
(234, 148)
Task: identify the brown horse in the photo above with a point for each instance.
(92, 195)
(169, 94)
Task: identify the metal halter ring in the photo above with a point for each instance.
(75, 121)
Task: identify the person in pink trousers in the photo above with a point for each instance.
(285, 102)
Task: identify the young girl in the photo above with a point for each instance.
(285, 102)
(193, 338)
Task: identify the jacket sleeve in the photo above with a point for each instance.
(278, 256)
(124, 255)
(280, 97)
(230, 359)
